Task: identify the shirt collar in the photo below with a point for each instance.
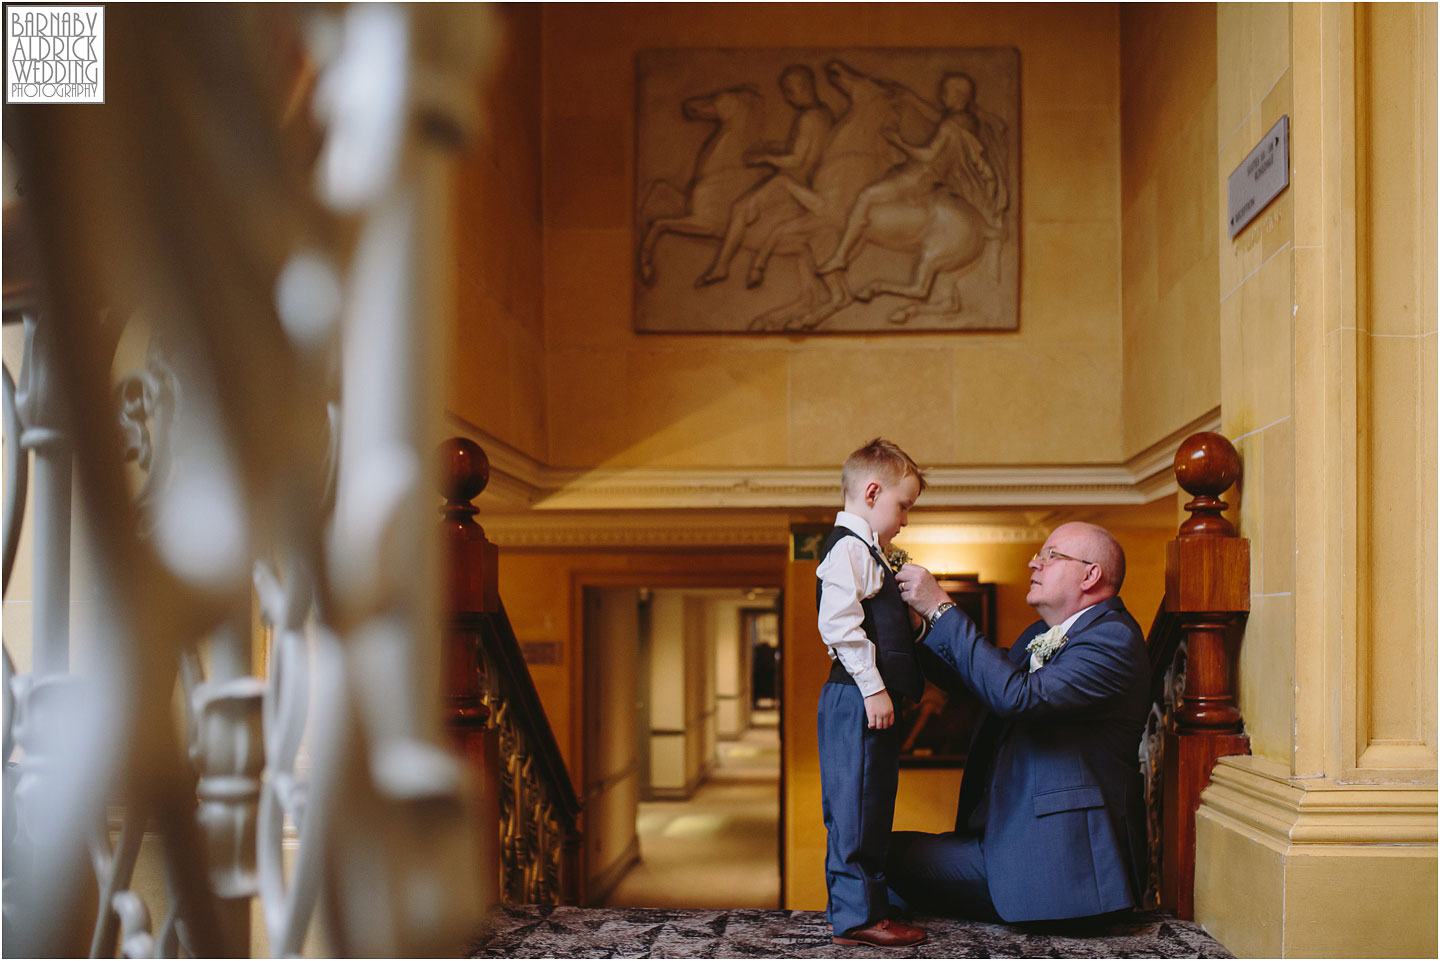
(859, 525)
(1066, 624)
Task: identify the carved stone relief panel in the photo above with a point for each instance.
(835, 190)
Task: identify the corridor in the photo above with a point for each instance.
(719, 848)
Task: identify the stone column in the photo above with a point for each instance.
(1323, 842)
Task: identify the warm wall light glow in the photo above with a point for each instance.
(919, 533)
(965, 548)
(947, 559)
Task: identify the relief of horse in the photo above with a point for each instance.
(720, 175)
(943, 232)
(856, 155)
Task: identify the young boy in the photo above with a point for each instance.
(869, 631)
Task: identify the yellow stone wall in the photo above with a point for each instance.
(1323, 842)
(496, 359)
(1256, 360)
(1169, 259)
(1047, 394)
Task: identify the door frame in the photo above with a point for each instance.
(765, 574)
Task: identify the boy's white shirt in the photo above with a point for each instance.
(848, 575)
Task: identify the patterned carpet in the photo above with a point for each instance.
(565, 932)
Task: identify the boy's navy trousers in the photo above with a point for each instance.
(859, 771)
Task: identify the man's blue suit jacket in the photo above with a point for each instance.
(1057, 761)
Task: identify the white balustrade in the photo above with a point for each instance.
(285, 423)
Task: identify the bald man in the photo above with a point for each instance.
(1051, 820)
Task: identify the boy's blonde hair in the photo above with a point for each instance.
(880, 458)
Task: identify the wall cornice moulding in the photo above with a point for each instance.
(519, 481)
(592, 531)
(635, 530)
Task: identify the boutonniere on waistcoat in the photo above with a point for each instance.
(895, 557)
(1045, 644)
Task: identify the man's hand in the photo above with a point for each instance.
(879, 712)
(918, 588)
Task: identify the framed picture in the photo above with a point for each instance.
(807, 539)
(936, 731)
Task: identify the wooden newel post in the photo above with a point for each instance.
(472, 580)
(1207, 582)
(1207, 589)
(472, 561)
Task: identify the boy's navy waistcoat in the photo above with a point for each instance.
(887, 624)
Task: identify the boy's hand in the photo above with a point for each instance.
(879, 711)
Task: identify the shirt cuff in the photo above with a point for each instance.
(869, 681)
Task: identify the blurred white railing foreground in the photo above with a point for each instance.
(293, 277)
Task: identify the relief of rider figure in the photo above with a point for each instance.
(793, 162)
(965, 155)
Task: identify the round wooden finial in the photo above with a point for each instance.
(465, 470)
(1206, 465)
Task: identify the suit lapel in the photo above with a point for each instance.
(1083, 622)
(1094, 614)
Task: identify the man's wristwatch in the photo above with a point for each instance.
(935, 614)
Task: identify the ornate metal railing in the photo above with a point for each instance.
(1193, 717)
(491, 691)
(281, 425)
(1167, 683)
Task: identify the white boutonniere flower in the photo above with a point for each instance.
(1044, 645)
(896, 557)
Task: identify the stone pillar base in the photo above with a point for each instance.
(1309, 867)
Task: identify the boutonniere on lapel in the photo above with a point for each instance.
(896, 557)
(1044, 645)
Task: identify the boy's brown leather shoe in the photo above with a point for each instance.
(883, 934)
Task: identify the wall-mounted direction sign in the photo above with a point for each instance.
(1261, 176)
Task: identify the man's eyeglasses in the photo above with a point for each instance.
(1051, 554)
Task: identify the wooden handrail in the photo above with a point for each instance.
(502, 651)
(1194, 720)
(494, 711)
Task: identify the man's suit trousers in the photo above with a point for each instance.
(939, 874)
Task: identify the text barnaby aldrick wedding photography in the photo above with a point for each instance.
(55, 54)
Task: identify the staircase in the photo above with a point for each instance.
(494, 712)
